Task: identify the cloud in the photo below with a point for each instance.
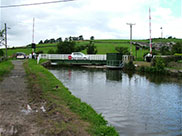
(103, 19)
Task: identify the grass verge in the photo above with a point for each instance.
(5, 68)
(56, 94)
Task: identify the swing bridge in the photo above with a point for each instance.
(110, 60)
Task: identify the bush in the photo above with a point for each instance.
(66, 47)
(91, 49)
(167, 59)
(129, 66)
(80, 48)
(142, 69)
(165, 50)
(1, 52)
(177, 48)
(159, 65)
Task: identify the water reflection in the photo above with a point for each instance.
(159, 79)
(115, 75)
(136, 105)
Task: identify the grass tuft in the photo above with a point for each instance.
(5, 68)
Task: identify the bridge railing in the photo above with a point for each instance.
(54, 56)
(96, 57)
(65, 57)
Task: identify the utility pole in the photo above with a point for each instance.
(6, 39)
(130, 24)
(161, 33)
(33, 44)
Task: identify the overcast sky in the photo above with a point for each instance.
(104, 19)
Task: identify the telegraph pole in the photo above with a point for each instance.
(130, 24)
(6, 39)
(33, 44)
(161, 33)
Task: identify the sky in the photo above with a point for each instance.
(103, 19)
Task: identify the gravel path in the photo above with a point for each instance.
(15, 118)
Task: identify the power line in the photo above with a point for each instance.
(32, 4)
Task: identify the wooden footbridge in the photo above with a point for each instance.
(64, 59)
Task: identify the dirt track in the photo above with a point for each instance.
(15, 119)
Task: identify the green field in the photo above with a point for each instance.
(108, 46)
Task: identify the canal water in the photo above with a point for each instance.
(135, 105)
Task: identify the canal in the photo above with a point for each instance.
(135, 105)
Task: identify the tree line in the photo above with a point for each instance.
(52, 40)
(69, 45)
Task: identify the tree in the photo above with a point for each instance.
(66, 39)
(52, 40)
(46, 41)
(80, 37)
(66, 47)
(122, 50)
(170, 37)
(177, 48)
(75, 38)
(164, 50)
(59, 39)
(41, 42)
(91, 49)
(80, 48)
(70, 39)
(92, 38)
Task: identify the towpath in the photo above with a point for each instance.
(15, 119)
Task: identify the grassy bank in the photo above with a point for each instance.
(5, 68)
(65, 105)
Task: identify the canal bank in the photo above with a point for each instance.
(68, 113)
